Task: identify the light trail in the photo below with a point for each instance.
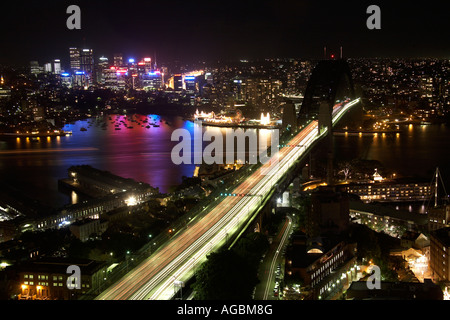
(285, 234)
(175, 261)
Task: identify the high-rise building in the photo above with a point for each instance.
(190, 83)
(48, 67)
(102, 64)
(66, 79)
(75, 59)
(209, 78)
(57, 66)
(118, 60)
(110, 78)
(152, 80)
(177, 82)
(87, 61)
(148, 64)
(35, 68)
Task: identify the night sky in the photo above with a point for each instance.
(217, 30)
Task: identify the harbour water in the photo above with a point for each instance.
(143, 153)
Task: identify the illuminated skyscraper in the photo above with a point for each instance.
(152, 80)
(35, 68)
(190, 83)
(75, 59)
(57, 66)
(87, 61)
(118, 60)
(48, 67)
(148, 64)
(177, 82)
(101, 65)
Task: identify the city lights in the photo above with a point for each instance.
(179, 152)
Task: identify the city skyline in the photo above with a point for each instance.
(229, 30)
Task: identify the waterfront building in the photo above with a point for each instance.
(391, 190)
(386, 219)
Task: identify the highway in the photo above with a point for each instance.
(265, 289)
(176, 260)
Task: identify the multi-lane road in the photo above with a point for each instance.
(174, 262)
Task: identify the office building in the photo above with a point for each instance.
(80, 79)
(118, 60)
(110, 78)
(190, 83)
(101, 65)
(152, 80)
(48, 67)
(261, 91)
(148, 65)
(87, 61)
(35, 69)
(75, 59)
(177, 82)
(57, 66)
(66, 79)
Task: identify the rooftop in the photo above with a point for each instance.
(59, 265)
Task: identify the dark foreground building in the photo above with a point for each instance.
(46, 279)
(395, 291)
